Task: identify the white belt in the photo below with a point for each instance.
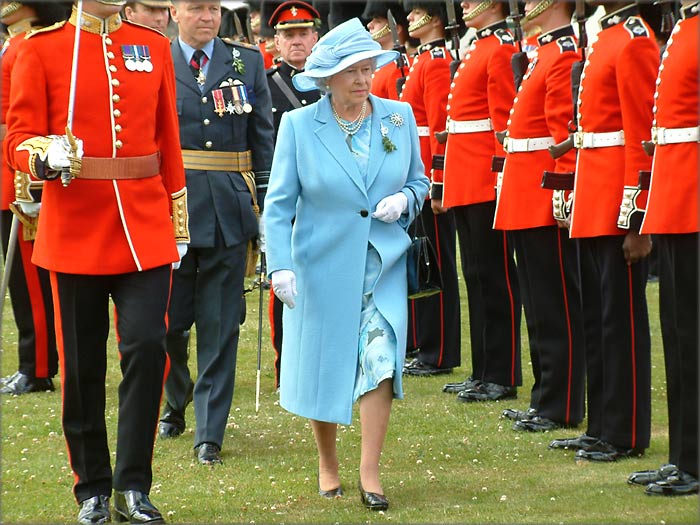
(585, 140)
(469, 126)
(512, 145)
(423, 131)
(663, 136)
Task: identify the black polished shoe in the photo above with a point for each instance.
(330, 494)
(679, 484)
(518, 415)
(416, 368)
(21, 383)
(604, 451)
(644, 477)
(577, 443)
(372, 500)
(488, 392)
(94, 510)
(208, 454)
(455, 388)
(536, 424)
(135, 507)
(172, 424)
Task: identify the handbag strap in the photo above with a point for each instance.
(419, 215)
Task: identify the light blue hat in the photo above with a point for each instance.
(344, 45)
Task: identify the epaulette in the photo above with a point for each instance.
(232, 42)
(566, 43)
(437, 52)
(635, 27)
(125, 21)
(504, 37)
(46, 29)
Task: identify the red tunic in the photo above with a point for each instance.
(384, 79)
(101, 226)
(426, 90)
(7, 190)
(672, 206)
(617, 88)
(542, 108)
(482, 88)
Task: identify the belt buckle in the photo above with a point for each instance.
(506, 144)
(578, 139)
(660, 137)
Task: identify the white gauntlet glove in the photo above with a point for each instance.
(181, 251)
(59, 152)
(390, 208)
(284, 284)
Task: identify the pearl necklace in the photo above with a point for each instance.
(351, 127)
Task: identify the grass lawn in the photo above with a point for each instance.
(444, 461)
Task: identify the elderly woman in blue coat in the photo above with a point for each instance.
(346, 181)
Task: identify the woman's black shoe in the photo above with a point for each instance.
(330, 494)
(372, 500)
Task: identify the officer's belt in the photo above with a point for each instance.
(423, 131)
(587, 140)
(512, 145)
(469, 126)
(117, 168)
(217, 160)
(662, 136)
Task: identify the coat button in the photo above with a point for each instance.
(208, 144)
(206, 122)
(364, 213)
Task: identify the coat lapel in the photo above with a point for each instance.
(377, 155)
(329, 134)
(183, 73)
(220, 66)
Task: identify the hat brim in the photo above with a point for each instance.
(306, 80)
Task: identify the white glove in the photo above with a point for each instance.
(181, 251)
(390, 208)
(59, 151)
(261, 234)
(284, 284)
(30, 209)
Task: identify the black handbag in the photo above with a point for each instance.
(422, 268)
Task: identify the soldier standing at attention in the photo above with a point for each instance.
(672, 213)
(29, 286)
(434, 322)
(546, 256)
(387, 79)
(110, 228)
(480, 97)
(226, 136)
(295, 24)
(150, 13)
(615, 103)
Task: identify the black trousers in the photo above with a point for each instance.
(678, 301)
(207, 292)
(618, 343)
(434, 322)
(82, 321)
(493, 294)
(549, 282)
(32, 305)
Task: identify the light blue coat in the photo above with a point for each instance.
(315, 181)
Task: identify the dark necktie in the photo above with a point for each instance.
(197, 63)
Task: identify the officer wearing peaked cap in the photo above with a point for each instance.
(112, 230)
(296, 24)
(150, 13)
(227, 139)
